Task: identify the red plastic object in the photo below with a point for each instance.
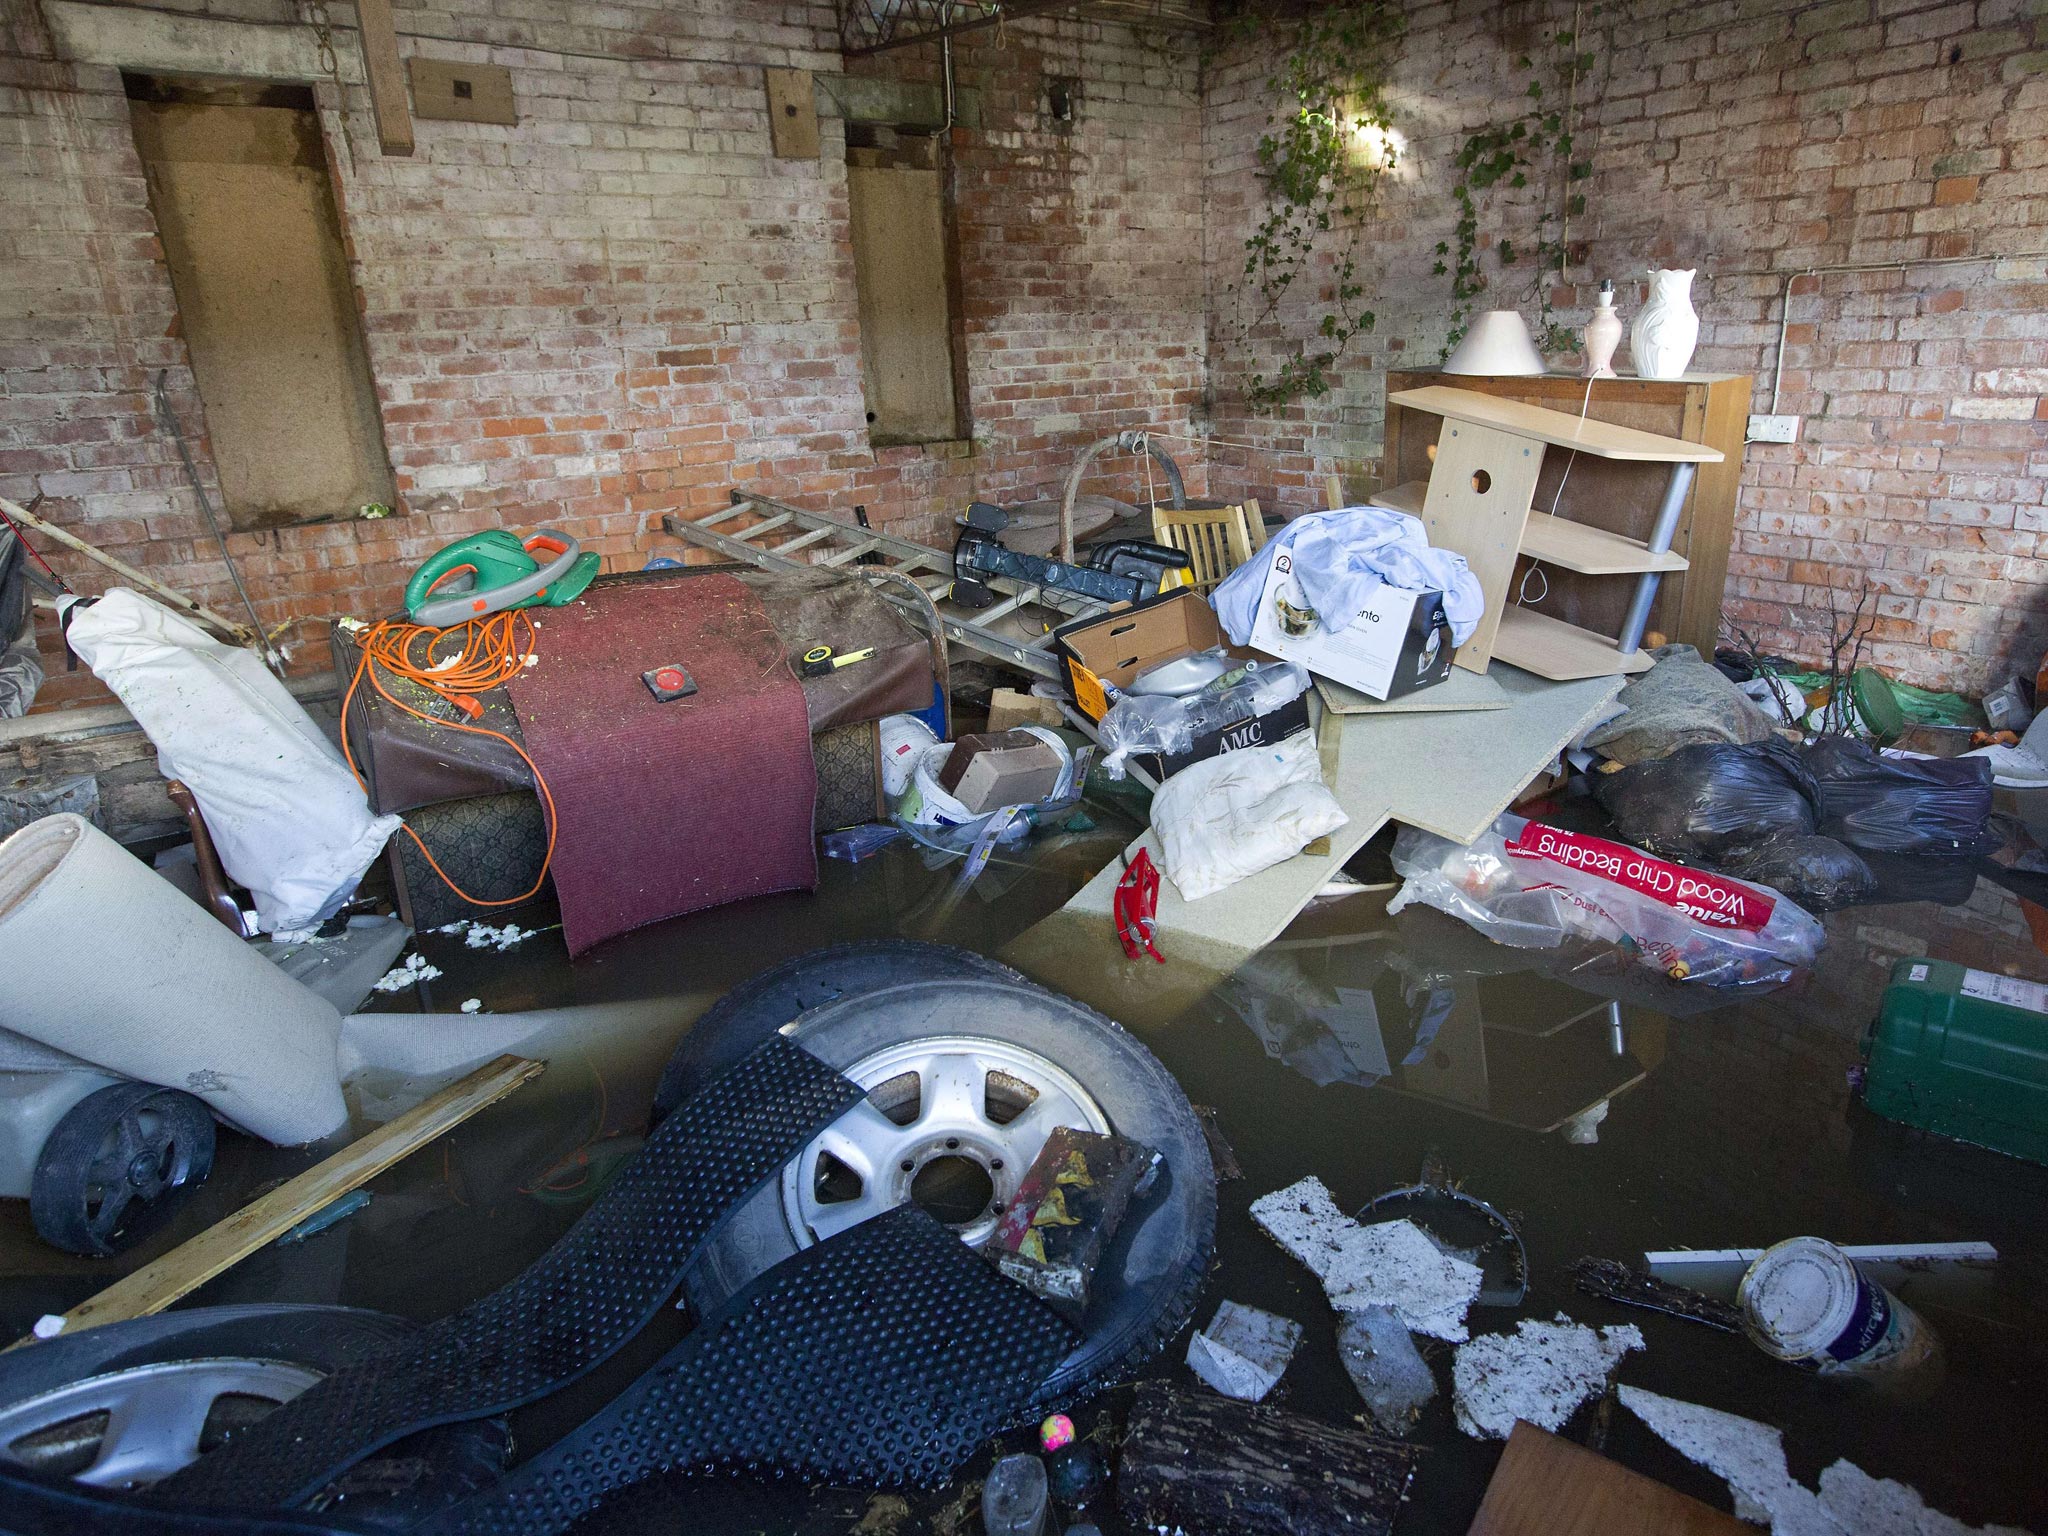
(1136, 906)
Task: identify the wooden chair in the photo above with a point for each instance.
(1216, 540)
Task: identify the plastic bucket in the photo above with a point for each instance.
(1807, 1302)
(904, 739)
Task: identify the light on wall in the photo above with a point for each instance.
(1378, 143)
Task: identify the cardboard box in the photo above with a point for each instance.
(1128, 640)
(1009, 708)
(985, 772)
(1399, 644)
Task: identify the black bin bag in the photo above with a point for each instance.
(1900, 805)
(1705, 801)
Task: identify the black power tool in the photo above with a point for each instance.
(1120, 571)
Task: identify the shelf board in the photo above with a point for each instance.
(1551, 648)
(1405, 497)
(1594, 551)
(1602, 439)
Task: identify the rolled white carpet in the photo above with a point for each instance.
(107, 960)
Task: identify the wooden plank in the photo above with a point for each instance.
(792, 114)
(1593, 551)
(1460, 690)
(386, 73)
(1544, 1486)
(1333, 492)
(1723, 420)
(1199, 1462)
(1598, 438)
(191, 1264)
(1554, 649)
(1477, 506)
(241, 634)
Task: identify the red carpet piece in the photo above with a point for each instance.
(665, 808)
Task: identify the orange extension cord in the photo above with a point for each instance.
(492, 654)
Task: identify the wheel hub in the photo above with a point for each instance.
(129, 1428)
(950, 1123)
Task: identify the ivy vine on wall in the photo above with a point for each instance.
(1326, 146)
(1537, 149)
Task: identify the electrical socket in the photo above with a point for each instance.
(1774, 429)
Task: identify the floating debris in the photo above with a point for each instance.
(1243, 1351)
(1612, 1280)
(1541, 1372)
(483, 936)
(472, 1005)
(1381, 1359)
(413, 968)
(1750, 1458)
(1389, 1264)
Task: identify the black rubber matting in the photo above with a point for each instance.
(570, 1309)
(885, 1356)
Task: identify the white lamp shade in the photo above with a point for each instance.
(1498, 342)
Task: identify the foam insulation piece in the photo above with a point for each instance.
(1389, 1264)
(108, 961)
(1380, 1357)
(1541, 1372)
(1750, 1458)
(1243, 1352)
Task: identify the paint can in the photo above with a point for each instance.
(1807, 1302)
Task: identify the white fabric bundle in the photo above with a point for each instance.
(288, 817)
(1230, 816)
(108, 961)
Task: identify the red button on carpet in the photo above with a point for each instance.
(668, 807)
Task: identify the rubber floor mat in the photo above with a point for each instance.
(570, 1309)
(885, 1356)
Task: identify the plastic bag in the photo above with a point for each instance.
(1704, 801)
(1900, 804)
(1531, 886)
(1820, 873)
(288, 817)
(1170, 725)
(1230, 816)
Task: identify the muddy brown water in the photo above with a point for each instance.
(1730, 1124)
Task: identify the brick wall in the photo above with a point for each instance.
(1736, 136)
(623, 306)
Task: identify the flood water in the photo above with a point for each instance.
(1728, 1125)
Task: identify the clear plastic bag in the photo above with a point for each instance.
(1171, 725)
(1533, 887)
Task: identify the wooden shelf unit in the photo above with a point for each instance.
(1612, 495)
(1478, 500)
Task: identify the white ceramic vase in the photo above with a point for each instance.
(1666, 331)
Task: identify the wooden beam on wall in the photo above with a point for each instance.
(792, 114)
(387, 76)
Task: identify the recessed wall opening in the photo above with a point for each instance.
(239, 185)
(911, 369)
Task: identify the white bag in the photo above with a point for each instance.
(288, 817)
(1230, 816)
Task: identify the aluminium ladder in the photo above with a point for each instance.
(1025, 612)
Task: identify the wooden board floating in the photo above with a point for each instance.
(1198, 1462)
(1602, 439)
(1551, 648)
(194, 1262)
(1544, 1486)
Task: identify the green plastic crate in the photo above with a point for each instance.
(1962, 1053)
